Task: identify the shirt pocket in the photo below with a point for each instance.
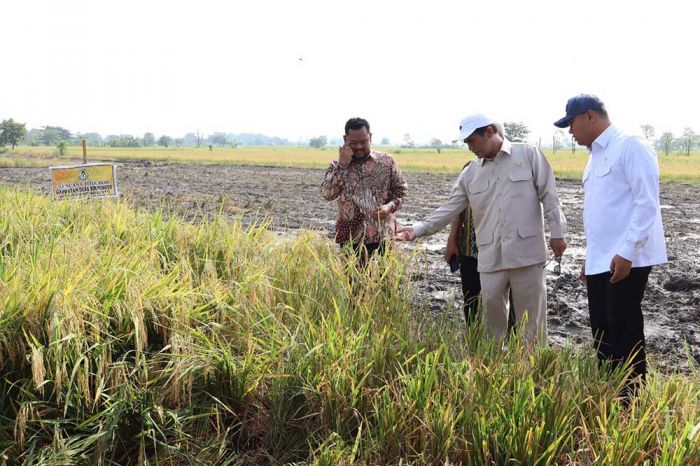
(603, 169)
(478, 194)
(522, 174)
(484, 237)
(478, 186)
(520, 182)
(528, 231)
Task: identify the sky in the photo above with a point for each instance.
(299, 69)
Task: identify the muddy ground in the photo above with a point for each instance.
(291, 198)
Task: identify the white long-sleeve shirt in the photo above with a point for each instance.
(621, 210)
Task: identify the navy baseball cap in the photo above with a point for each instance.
(578, 105)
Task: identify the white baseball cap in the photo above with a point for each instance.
(471, 123)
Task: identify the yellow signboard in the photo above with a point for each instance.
(87, 180)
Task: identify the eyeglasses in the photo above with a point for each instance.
(557, 266)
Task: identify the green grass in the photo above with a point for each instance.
(129, 338)
(674, 168)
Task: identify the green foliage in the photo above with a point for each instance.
(165, 141)
(11, 132)
(51, 135)
(61, 146)
(123, 140)
(516, 131)
(666, 142)
(688, 141)
(149, 140)
(219, 139)
(132, 338)
(318, 142)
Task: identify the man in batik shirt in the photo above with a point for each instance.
(369, 187)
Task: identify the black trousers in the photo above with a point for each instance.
(365, 251)
(616, 319)
(471, 289)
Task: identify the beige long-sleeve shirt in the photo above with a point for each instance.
(510, 197)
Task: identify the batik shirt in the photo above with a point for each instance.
(360, 188)
(467, 235)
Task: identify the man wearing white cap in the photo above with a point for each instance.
(511, 190)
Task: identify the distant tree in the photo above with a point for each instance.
(219, 139)
(648, 132)
(199, 137)
(437, 144)
(123, 140)
(165, 141)
(11, 132)
(666, 142)
(385, 142)
(558, 140)
(573, 145)
(149, 140)
(93, 139)
(178, 142)
(50, 135)
(688, 141)
(516, 131)
(33, 137)
(190, 139)
(319, 142)
(407, 141)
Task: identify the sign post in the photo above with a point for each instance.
(89, 180)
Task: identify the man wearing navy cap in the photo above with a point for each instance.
(624, 234)
(511, 191)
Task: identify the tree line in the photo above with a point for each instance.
(13, 133)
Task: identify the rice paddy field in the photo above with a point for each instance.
(206, 319)
(674, 168)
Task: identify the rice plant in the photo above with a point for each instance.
(135, 338)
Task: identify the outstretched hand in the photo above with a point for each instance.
(405, 234)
